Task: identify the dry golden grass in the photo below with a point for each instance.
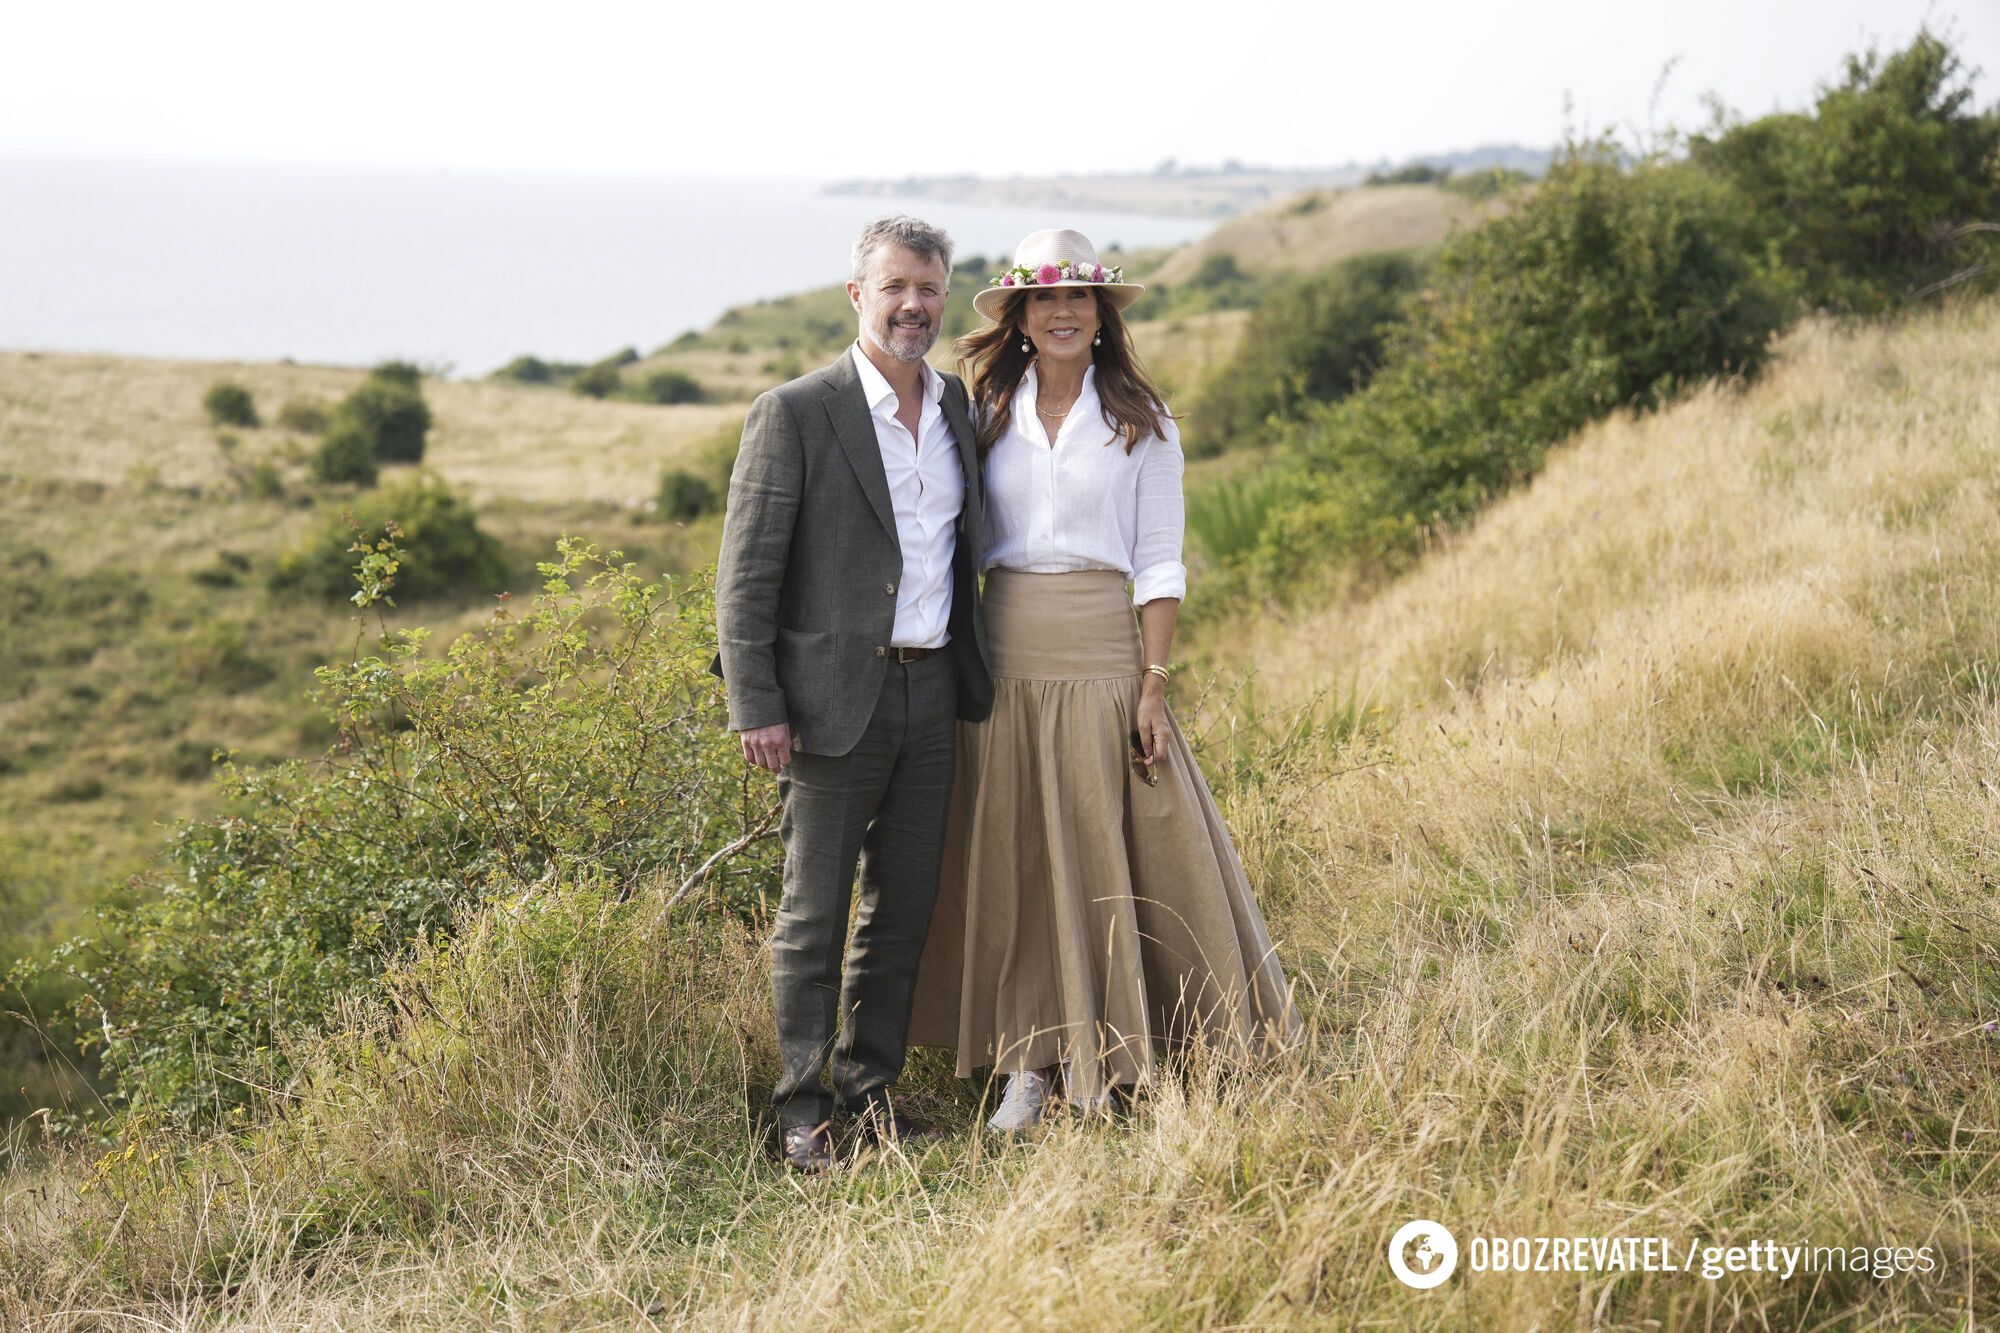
(1322, 227)
(113, 419)
(1658, 900)
(1179, 353)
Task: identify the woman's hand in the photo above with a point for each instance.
(1154, 730)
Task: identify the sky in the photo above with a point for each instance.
(824, 91)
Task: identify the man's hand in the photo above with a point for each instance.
(768, 747)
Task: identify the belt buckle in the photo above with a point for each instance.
(903, 655)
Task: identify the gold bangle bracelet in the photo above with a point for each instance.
(1155, 669)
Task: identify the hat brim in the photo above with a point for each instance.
(989, 301)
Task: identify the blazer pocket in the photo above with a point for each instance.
(804, 659)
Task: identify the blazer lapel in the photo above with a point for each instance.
(969, 451)
(847, 407)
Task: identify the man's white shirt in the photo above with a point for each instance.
(927, 492)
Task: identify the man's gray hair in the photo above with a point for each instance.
(913, 234)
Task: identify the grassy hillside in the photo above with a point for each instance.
(141, 634)
(1633, 857)
(1311, 231)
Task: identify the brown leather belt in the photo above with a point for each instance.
(911, 654)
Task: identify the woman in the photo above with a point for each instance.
(1091, 908)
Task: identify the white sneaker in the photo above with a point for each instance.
(1085, 1106)
(1022, 1104)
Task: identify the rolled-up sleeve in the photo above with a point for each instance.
(1161, 521)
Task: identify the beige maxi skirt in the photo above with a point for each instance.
(1082, 915)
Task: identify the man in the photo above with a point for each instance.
(851, 639)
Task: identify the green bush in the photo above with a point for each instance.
(600, 380)
(263, 481)
(1312, 339)
(188, 760)
(669, 386)
(398, 372)
(1487, 183)
(229, 404)
(685, 497)
(393, 417)
(1414, 174)
(217, 657)
(347, 454)
(1604, 289)
(77, 789)
(526, 370)
(444, 551)
(580, 743)
(1865, 198)
(305, 416)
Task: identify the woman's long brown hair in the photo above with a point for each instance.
(991, 362)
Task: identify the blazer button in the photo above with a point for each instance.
(889, 588)
(881, 652)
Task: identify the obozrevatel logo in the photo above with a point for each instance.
(1422, 1254)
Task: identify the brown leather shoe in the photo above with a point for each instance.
(807, 1149)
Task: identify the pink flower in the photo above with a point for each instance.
(1006, 280)
(1097, 273)
(1048, 273)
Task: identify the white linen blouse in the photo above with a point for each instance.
(1084, 503)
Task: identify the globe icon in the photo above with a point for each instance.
(1423, 1254)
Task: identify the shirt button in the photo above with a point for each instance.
(881, 652)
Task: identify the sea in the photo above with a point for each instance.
(458, 271)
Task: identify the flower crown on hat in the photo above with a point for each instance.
(1045, 275)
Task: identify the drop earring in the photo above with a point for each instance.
(1024, 343)
(1097, 338)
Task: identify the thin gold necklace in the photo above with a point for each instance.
(1065, 407)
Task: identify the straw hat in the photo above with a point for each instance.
(1056, 257)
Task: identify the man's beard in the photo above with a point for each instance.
(906, 344)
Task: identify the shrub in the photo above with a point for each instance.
(598, 381)
(1486, 183)
(188, 760)
(1416, 173)
(526, 370)
(582, 743)
(393, 417)
(1603, 289)
(347, 454)
(398, 372)
(443, 549)
(308, 417)
(669, 386)
(263, 481)
(77, 789)
(229, 404)
(1311, 340)
(217, 656)
(684, 496)
(1864, 198)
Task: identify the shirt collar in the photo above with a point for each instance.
(876, 386)
(1033, 382)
